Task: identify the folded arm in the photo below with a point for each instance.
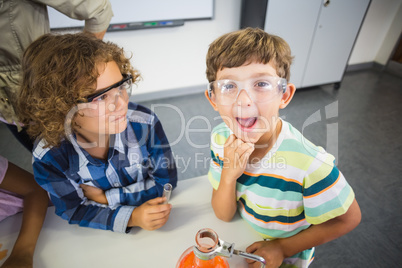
(73, 206)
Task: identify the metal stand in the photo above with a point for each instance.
(223, 249)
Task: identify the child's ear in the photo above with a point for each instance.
(210, 101)
(287, 96)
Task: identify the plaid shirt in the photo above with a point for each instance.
(139, 163)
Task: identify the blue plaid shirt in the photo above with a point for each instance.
(139, 163)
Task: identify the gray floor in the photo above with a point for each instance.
(360, 124)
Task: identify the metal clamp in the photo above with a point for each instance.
(227, 250)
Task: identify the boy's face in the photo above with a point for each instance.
(253, 116)
(107, 113)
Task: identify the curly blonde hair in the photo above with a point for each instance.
(58, 72)
(245, 46)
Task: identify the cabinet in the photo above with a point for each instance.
(321, 35)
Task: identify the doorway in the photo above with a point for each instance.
(394, 65)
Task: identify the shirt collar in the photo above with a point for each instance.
(116, 145)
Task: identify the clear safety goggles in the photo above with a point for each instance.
(104, 101)
(261, 89)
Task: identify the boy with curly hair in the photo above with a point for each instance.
(103, 160)
(286, 188)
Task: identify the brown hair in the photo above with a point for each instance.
(245, 46)
(59, 71)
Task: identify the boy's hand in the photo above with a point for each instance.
(237, 153)
(151, 215)
(271, 251)
(94, 193)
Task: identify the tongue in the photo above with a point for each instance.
(246, 122)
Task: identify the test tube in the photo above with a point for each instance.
(167, 190)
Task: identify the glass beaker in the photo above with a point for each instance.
(203, 254)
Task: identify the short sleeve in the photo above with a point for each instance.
(219, 136)
(326, 193)
(215, 170)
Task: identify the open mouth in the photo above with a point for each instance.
(248, 122)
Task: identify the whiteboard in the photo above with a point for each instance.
(136, 12)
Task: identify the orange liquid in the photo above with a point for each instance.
(191, 261)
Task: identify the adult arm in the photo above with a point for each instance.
(96, 13)
(36, 201)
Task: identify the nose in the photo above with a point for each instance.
(243, 98)
(120, 99)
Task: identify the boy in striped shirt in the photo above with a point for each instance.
(286, 188)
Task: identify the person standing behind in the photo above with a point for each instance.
(21, 22)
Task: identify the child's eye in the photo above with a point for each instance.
(229, 87)
(263, 85)
(101, 98)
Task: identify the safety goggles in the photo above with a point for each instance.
(105, 100)
(261, 89)
(123, 85)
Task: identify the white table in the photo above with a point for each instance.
(63, 245)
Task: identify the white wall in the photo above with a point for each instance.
(174, 58)
(379, 33)
(391, 38)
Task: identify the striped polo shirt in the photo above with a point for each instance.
(294, 185)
